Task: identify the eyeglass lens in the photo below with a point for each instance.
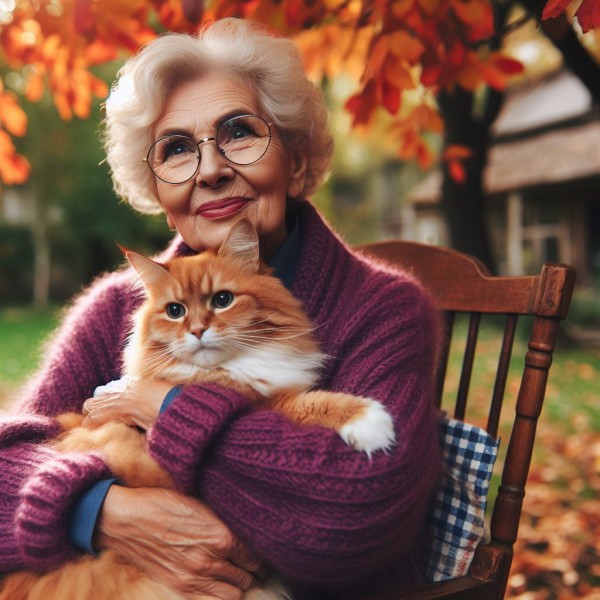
(241, 140)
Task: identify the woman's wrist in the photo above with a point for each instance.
(113, 514)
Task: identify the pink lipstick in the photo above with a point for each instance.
(220, 209)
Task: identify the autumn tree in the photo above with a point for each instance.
(442, 52)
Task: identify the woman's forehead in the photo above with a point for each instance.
(201, 105)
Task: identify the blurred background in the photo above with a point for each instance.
(498, 156)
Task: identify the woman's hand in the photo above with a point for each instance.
(178, 541)
(130, 401)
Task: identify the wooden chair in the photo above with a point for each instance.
(462, 284)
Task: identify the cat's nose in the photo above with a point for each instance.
(198, 332)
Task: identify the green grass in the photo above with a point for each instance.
(22, 332)
(572, 394)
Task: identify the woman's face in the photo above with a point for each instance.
(204, 208)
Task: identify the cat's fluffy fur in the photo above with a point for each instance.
(215, 317)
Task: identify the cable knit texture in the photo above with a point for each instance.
(336, 523)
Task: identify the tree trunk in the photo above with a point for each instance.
(463, 204)
(468, 124)
(41, 248)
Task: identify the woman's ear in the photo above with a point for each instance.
(298, 175)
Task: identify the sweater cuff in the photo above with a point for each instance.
(47, 499)
(182, 434)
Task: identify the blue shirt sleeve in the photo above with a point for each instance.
(171, 395)
(85, 515)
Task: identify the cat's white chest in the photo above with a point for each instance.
(268, 369)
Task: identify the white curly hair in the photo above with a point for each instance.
(270, 64)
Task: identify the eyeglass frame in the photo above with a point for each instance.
(208, 139)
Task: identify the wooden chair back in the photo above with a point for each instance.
(462, 284)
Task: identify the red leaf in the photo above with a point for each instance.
(83, 16)
(588, 15)
(390, 97)
(457, 171)
(554, 8)
(193, 10)
(507, 65)
(362, 104)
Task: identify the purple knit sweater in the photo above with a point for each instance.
(320, 512)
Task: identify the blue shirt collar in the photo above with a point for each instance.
(285, 260)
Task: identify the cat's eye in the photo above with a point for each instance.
(221, 299)
(175, 310)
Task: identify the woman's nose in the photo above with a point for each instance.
(214, 169)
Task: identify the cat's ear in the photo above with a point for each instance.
(241, 244)
(151, 274)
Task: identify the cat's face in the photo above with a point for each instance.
(205, 311)
(208, 311)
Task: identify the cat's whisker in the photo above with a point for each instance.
(157, 362)
(250, 335)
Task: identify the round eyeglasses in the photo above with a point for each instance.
(242, 140)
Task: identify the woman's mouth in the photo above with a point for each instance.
(220, 209)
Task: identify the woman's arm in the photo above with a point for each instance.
(318, 510)
(38, 486)
(84, 353)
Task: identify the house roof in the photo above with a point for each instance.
(558, 155)
(547, 132)
(559, 96)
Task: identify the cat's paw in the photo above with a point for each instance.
(371, 430)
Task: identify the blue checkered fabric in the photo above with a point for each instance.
(458, 524)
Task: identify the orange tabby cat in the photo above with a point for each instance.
(219, 317)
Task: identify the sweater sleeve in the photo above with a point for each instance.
(39, 486)
(321, 512)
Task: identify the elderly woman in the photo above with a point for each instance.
(253, 488)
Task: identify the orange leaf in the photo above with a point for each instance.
(424, 154)
(427, 119)
(493, 76)
(14, 168)
(399, 75)
(12, 115)
(477, 15)
(99, 51)
(402, 7)
(456, 152)
(404, 45)
(377, 57)
(470, 76)
(429, 6)
(35, 88)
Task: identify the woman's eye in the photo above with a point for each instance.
(239, 133)
(176, 147)
(175, 310)
(222, 299)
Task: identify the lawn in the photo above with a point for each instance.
(557, 555)
(22, 333)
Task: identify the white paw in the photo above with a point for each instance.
(373, 430)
